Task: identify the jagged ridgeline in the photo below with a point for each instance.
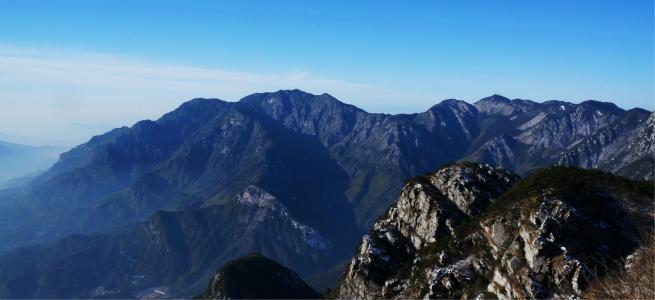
(463, 232)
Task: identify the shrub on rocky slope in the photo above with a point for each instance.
(636, 280)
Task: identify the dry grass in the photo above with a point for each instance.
(635, 281)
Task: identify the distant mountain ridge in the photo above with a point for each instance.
(20, 162)
(332, 167)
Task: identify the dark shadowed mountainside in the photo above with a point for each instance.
(257, 277)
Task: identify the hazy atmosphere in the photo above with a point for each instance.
(72, 69)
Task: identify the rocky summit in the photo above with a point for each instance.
(475, 231)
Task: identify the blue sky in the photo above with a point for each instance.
(69, 69)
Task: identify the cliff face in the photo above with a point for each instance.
(463, 232)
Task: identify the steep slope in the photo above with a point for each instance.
(230, 154)
(177, 162)
(257, 277)
(88, 173)
(625, 147)
(541, 238)
(175, 253)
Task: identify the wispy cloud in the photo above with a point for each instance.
(87, 69)
(44, 91)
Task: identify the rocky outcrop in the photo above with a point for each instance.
(460, 233)
(428, 211)
(549, 248)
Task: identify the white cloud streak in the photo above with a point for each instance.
(44, 91)
(118, 73)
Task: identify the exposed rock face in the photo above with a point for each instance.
(427, 211)
(472, 186)
(646, 136)
(540, 239)
(257, 277)
(271, 208)
(550, 248)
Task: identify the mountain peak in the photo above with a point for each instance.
(452, 101)
(200, 102)
(285, 99)
(500, 105)
(194, 108)
(452, 104)
(601, 105)
(496, 98)
(295, 93)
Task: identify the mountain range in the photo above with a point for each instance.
(157, 208)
